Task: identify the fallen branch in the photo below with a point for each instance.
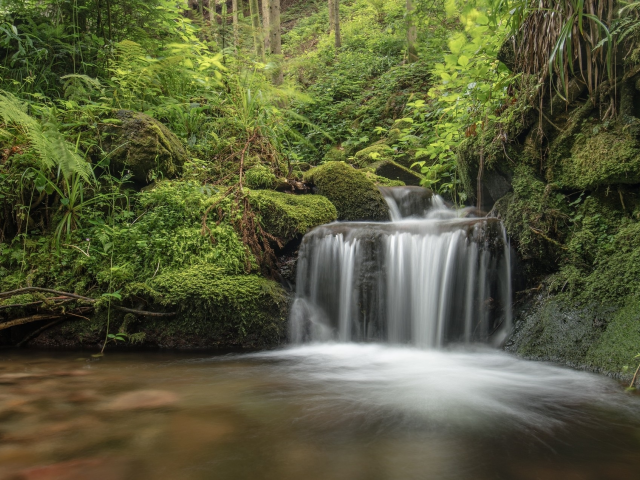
(84, 299)
(22, 321)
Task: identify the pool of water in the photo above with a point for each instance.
(331, 411)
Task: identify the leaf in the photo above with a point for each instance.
(463, 60)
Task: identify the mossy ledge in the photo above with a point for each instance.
(214, 310)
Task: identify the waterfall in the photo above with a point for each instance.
(431, 276)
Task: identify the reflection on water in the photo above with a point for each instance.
(326, 411)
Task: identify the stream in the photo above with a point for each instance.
(317, 411)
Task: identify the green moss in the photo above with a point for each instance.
(536, 218)
(372, 154)
(144, 145)
(232, 309)
(599, 156)
(287, 216)
(213, 310)
(355, 196)
(260, 177)
(620, 342)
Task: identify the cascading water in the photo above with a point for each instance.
(431, 276)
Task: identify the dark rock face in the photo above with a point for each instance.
(144, 146)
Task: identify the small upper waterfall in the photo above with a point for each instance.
(432, 275)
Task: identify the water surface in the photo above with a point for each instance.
(330, 411)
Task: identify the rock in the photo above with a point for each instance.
(287, 216)
(598, 157)
(143, 400)
(354, 195)
(394, 171)
(374, 153)
(143, 145)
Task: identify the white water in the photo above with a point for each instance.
(429, 277)
(480, 389)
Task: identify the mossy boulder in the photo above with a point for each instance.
(287, 216)
(354, 195)
(599, 156)
(246, 310)
(143, 145)
(396, 172)
(213, 310)
(372, 154)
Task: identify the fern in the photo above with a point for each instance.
(53, 150)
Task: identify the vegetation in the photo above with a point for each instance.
(158, 156)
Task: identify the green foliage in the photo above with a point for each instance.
(354, 195)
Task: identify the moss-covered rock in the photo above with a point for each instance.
(213, 310)
(558, 329)
(354, 195)
(373, 154)
(239, 309)
(535, 217)
(599, 156)
(143, 145)
(395, 172)
(287, 216)
(620, 342)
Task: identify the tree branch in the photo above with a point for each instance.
(84, 299)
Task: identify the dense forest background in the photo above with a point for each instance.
(158, 157)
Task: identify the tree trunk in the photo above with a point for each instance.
(276, 38)
(234, 10)
(412, 34)
(266, 24)
(336, 22)
(332, 22)
(255, 22)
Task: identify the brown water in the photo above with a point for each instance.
(315, 412)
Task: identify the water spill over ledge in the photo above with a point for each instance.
(429, 277)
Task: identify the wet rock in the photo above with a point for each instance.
(142, 400)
